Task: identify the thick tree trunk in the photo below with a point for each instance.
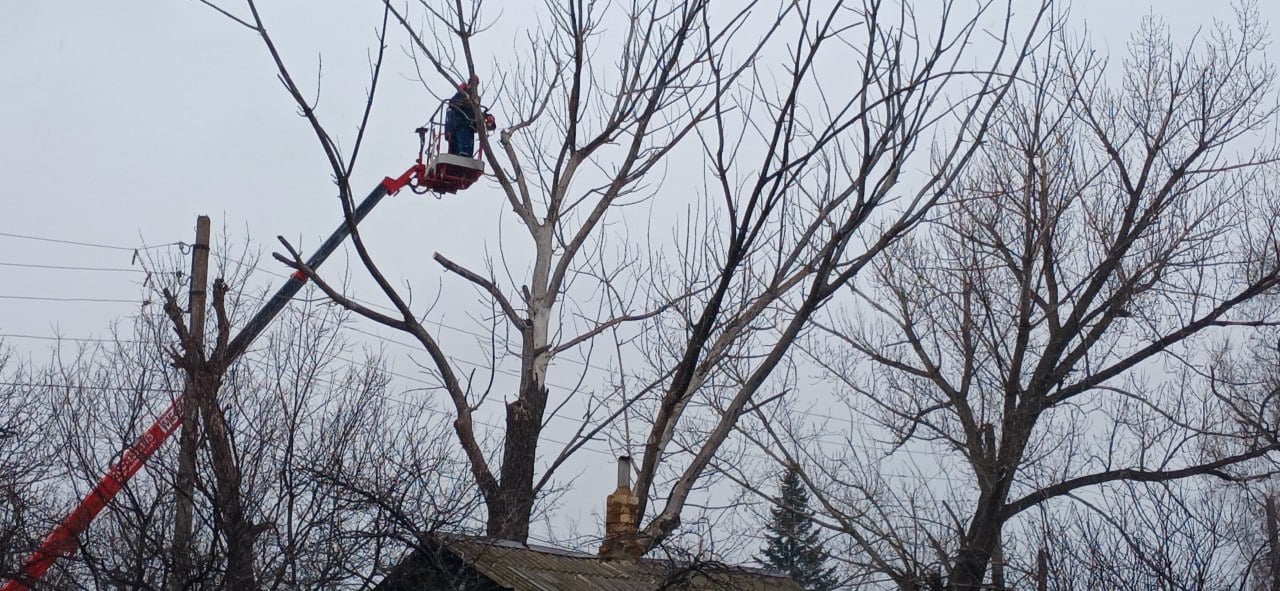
(230, 515)
(511, 510)
(510, 513)
(970, 566)
(982, 542)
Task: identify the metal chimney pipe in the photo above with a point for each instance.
(624, 472)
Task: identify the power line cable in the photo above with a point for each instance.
(90, 244)
(447, 414)
(72, 268)
(60, 299)
(263, 298)
(852, 423)
(36, 337)
(150, 389)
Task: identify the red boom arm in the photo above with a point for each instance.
(62, 542)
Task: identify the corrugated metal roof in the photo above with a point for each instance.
(524, 568)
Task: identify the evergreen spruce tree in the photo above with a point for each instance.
(792, 545)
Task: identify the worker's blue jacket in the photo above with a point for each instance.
(460, 115)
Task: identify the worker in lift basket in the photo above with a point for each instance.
(460, 119)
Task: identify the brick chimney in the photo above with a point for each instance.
(620, 519)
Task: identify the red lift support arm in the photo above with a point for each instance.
(62, 541)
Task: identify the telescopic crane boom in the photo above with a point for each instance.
(62, 541)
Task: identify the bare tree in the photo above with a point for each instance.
(891, 521)
(804, 187)
(310, 419)
(823, 198)
(205, 370)
(1053, 326)
(27, 466)
(1245, 377)
(1174, 535)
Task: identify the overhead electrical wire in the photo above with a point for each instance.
(448, 415)
(90, 244)
(61, 299)
(36, 337)
(262, 298)
(72, 268)
(429, 385)
(417, 380)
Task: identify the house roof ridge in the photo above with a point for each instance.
(535, 567)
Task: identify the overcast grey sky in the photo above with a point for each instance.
(121, 121)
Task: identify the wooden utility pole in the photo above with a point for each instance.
(1042, 569)
(1273, 543)
(185, 483)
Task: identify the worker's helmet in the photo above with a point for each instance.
(465, 86)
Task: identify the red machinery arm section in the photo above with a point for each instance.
(62, 541)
